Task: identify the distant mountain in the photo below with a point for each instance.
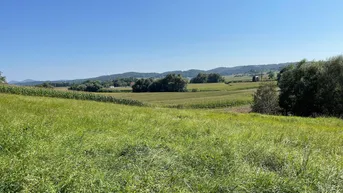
(189, 73)
(21, 82)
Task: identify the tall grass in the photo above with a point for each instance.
(58, 145)
(33, 91)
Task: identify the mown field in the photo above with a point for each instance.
(237, 78)
(64, 145)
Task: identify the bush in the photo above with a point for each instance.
(266, 99)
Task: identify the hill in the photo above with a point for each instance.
(64, 145)
(189, 73)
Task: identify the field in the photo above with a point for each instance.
(238, 78)
(65, 145)
(210, 96)
(215, 95)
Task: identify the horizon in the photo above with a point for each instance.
(76, 40)
(144, 72)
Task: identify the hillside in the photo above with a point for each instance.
(189, 73)
(64, 145)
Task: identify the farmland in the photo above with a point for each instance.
(65, 145)
(211, 95)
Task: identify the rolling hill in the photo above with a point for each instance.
(189, 73)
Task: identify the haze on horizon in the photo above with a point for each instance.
(46, 40)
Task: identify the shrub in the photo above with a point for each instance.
(266, 99)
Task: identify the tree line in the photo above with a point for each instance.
(170, 83)
(307, 88)
(207, 78)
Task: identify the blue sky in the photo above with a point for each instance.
(50, 40)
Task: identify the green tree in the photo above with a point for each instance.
(214, 78)
(266, 99)
(207, 78)
(170, 83)
(200, 78)
(312, 88)
(2, 78)
(271, 75)
(46, 85)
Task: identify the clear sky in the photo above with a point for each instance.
(68, 39)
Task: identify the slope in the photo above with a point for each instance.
(64, 145)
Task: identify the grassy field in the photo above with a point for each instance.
(65, 145)
(237, 78)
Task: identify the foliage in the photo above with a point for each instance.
(88, 86)
(271, 75)
(312, 88)
(2, 78)
(58, 145)
(45, 85)
(142, 85)
(207, 78)
(200, 78)
(266, 99)
(33, 91)
(123, 82)
(170, 83)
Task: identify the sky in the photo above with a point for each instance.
(56, 40)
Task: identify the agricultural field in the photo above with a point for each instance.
(207, 95)
(65, 145)
(244, 78)
(211, 95)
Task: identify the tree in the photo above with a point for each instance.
(200, 78)
(142, 85)
(207, 78)
(2, 78)
(266, 99)
(89, 86)
(312, 88)
(214, 78)
(170, 83)
(271, 75)
(45, 85)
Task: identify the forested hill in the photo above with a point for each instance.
(189, 73)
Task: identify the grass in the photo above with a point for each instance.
(223, 86)
(238, 78)
(59, 145)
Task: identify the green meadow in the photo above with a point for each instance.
(66, 145)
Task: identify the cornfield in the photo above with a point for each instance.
(31, 91)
